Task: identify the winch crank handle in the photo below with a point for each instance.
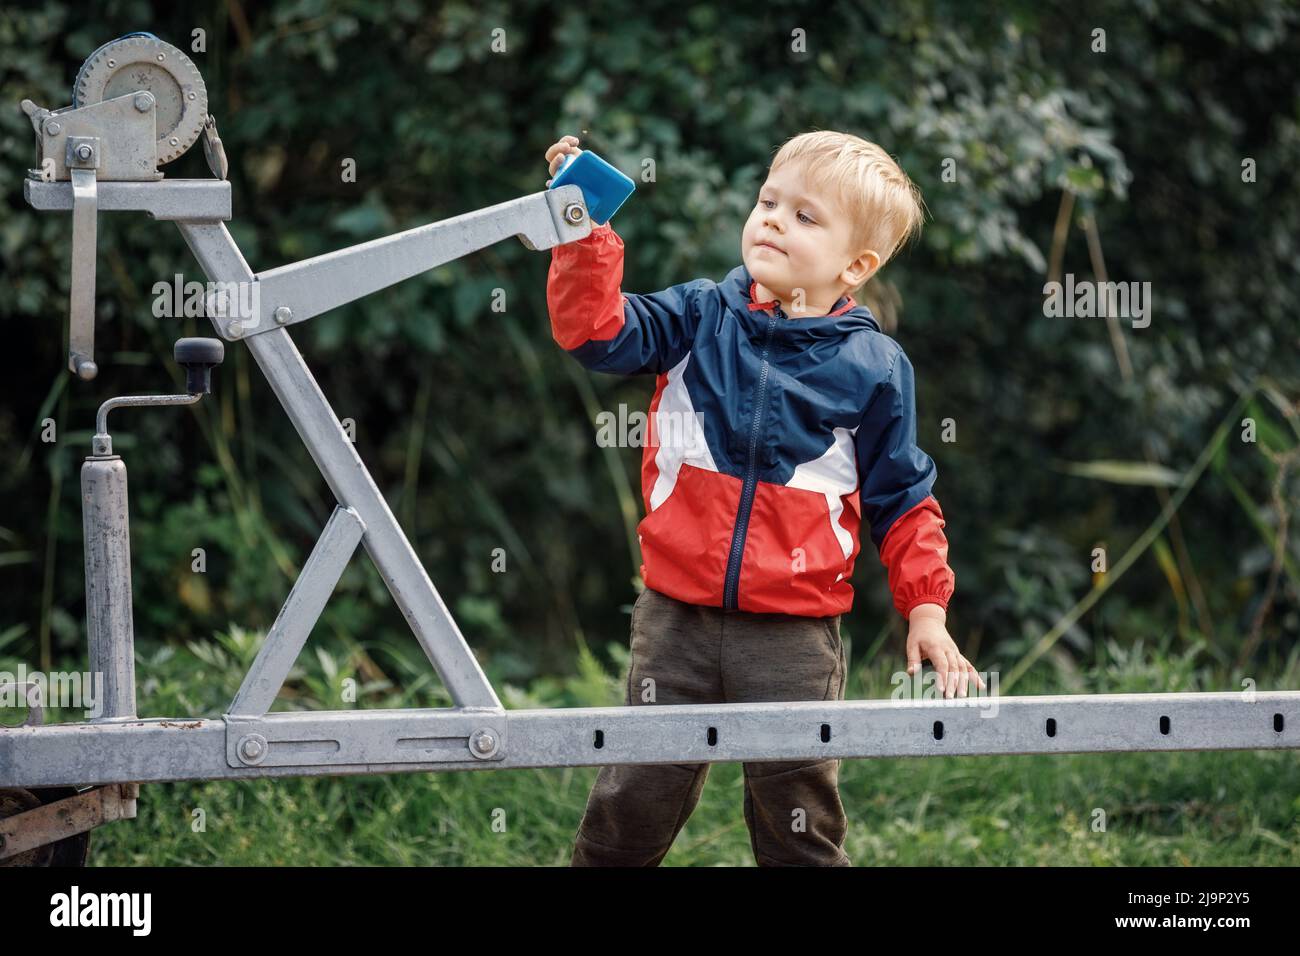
(198, 356)
(81, 310)
(102, 443)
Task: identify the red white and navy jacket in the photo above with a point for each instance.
(771, 438)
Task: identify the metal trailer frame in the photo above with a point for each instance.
(119, 750)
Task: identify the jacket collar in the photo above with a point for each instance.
(738, 293)
(845, 303)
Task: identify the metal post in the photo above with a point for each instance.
(109, 628)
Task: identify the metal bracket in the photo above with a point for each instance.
(358, 738)
(82, 152)
(127, 122)
(187, 200)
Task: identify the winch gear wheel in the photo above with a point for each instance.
(143, 62)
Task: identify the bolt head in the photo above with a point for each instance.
(574, 213)
(283, 315)
(52, 128)
(235, 329)
(84, 152)
(143, 101)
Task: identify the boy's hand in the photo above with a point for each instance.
(557, 151)
(927, 639)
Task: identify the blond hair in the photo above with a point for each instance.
(884, 206)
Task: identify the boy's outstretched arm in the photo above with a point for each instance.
(606, 329)
(906, 525)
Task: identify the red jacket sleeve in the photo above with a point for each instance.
(608, 330)
(582, 288)
(915, 552)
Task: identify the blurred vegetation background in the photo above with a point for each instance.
(1169, 158)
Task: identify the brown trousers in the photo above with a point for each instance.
(705, 655)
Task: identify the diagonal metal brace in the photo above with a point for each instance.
(301, 610)
(302, 290)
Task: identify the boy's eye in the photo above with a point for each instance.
(803, 217)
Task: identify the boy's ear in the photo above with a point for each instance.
(861, 269)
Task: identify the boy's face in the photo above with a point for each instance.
(811, 234)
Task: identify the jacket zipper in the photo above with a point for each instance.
(730, 594)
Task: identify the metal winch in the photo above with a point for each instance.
(137, 103)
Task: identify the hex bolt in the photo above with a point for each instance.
(252, 748)
(84, 152)
(483, 743)
(283, 315)
(574, 213)
(235, 329)
(143, 101)
(52, 128)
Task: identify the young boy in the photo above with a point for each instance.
(800, 421)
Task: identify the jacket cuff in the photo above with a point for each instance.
(912, 604)
(915, 552)
(602, 233)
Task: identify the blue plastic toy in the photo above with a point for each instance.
(603, 187)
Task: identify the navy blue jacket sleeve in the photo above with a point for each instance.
(896, 474)
(905, 519)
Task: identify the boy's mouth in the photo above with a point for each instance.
(768, 245)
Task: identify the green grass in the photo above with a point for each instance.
(1223, 809)
(1229, 808)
